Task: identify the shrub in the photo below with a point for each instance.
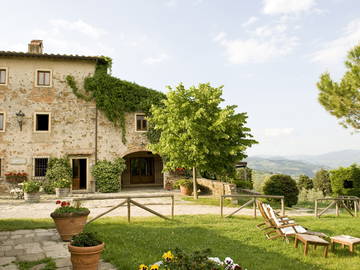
(281, 184)
(59, 168)
(107, 175)
(31, 186)
(346, 181)
(305, 182)
(62, 183)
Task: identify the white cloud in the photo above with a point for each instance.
(73, 37)
(171, 3)
(333, 52)
(274, 7)
(220, 36)
(264, 44)
(276, 132)
(77, 26)
(155, 60)
(250, 21)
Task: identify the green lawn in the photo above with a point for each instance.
(145, 240)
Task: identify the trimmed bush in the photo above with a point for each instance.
(281, 184)
(107, 175)
(346, 181)
(59, 168)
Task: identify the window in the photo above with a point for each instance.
(141, 123)
(43, 78)
(2, 121)
(3, 76)
(40, 166)
(348, 184)
(42, 122)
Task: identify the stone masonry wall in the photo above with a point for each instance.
(72, 119)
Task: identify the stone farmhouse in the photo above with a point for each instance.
(40, 117)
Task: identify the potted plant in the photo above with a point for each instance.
(62, 187)
(85, 249)
(31, 191)
(69, 220)
(186, 186)
(15, 178)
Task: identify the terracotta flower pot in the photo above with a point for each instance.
(185, 190)
(85, 258)
(70, 224)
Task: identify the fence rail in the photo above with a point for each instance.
(252, 201)
(128, 201)
(338, 202)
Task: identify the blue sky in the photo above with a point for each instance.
(268, 54)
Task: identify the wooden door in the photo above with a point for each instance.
(142, 170)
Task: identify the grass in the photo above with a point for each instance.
(145, 240)
(49, 264)
(26, 224)
(208, 201)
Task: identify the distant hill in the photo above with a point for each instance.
(303, 164)
(336, 159)
(284, 166)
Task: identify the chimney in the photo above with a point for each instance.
(35, 46)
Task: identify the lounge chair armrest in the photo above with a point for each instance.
(288, 225)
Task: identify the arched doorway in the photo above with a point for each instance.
(143, 168)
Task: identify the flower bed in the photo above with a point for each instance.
(198, 260)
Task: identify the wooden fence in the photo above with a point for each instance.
(128, 200)
(252, 201)
(338, 202)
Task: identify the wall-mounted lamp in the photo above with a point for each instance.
(20, 118)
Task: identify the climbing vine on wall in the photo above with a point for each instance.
(115, 97)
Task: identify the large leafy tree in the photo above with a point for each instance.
(305, 182)
(321, 181)
(196, 133)
(342, 99)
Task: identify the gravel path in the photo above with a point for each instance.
(20, 209)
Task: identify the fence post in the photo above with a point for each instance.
(355, 208)
(172, 206)
(316, 208)
(282, 207)
(337, 208)
(221, 206)
(254, 207)
(128, 209)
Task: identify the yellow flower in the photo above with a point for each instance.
(154, 267)
(143, 267)
(168, 256)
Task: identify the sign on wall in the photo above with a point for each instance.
(18, 161)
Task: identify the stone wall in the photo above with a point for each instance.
(216, 187)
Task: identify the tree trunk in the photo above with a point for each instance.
(195, 184)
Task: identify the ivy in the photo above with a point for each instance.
(115, 97)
